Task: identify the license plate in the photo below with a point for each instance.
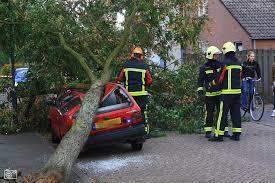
(108, 123)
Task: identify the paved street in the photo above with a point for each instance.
(189, 158)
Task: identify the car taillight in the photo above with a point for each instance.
(93, 126)
(136, 117)
(127, 120)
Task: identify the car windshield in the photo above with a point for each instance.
(70, 105)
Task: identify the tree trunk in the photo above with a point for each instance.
(72, 143)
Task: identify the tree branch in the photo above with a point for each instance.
(127, 29)
(92, 55)
(78, 57)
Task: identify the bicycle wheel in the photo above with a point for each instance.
(257, 108)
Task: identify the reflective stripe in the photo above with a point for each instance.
(127, 78)
(207, 129)
(209, 71)
(200, 88)
(229, 79)
(217, 130)
(226, 129)
(212, 94)
(143, 72)
(135, 70)
(143, 81)
(237, 130)
(232, 91)
(138, 93)
(234, 67)
(229, 89)
(205, 115)
(218, 70)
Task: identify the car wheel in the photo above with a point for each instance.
(55, 139)
(137, 146)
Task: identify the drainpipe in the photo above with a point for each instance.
(254, 44)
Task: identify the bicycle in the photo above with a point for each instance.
(256, 104)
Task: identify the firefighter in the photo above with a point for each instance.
(137, 77)
(210, 96)
(229, 81)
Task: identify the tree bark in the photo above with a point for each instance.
(74, 140)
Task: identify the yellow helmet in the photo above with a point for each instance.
(227, 47)
(211, 51)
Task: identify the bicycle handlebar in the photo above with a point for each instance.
(247, 78)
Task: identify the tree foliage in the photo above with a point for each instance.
(80, 40)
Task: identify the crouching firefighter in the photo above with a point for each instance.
(229, 81)
(210, 95)
(137, 77)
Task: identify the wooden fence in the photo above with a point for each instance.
(266, 60)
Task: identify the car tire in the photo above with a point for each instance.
(55, 139)
(136, 146)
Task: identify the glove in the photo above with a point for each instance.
(200, 92)
(201, 95)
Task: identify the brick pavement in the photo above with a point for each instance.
(189, 158)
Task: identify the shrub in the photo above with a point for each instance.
(7, 125)
(174, 104)
(6, 69)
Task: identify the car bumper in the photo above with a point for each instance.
(130, 134)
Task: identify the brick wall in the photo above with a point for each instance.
(265, 44)
(223, 27)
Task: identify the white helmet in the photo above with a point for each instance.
(211, 51)
(228, 47)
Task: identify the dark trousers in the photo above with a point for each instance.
(142, 102)
(211, 103)
(230, 103)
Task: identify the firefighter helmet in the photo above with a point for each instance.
(139, 51)
(228, 47)
(211, 51)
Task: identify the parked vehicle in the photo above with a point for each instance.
(21, 75)
(118, 117)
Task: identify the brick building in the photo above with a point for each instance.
(250, 24)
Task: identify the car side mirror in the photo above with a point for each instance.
(51, 103)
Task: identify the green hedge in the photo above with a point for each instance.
(174, 104)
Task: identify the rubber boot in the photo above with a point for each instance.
(216, 139)
(207, 135)
(235, 137)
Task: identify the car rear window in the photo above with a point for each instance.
(70, 105)
(118, 96)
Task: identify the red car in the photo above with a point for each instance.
(118, 118)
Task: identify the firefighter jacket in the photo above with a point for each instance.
(136, 76)
(250, 68)
(230, 77)
(208, 72)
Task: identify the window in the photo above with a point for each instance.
(203, 45)
(70, 104)
(239, 45)
(203, 9)
(118, 96)
(63, 99)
